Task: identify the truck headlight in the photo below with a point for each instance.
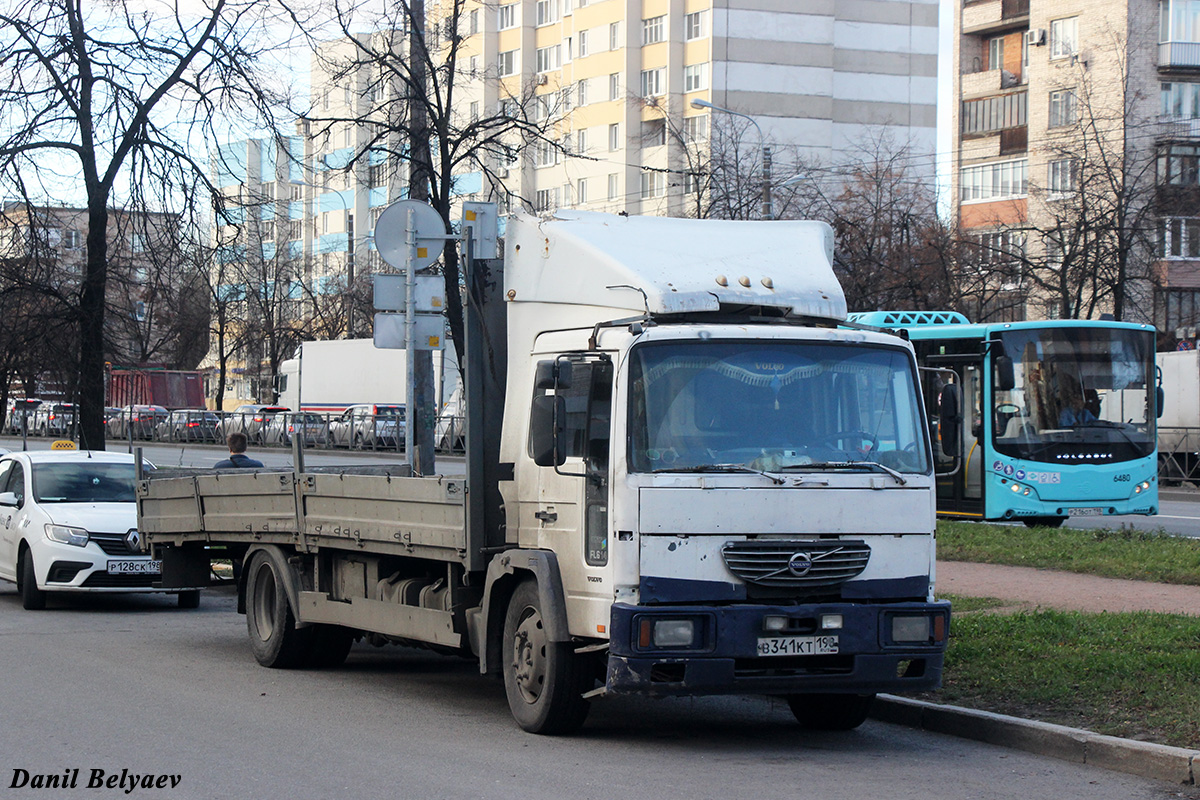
(666, 633)
(910, 629)
(66, 535)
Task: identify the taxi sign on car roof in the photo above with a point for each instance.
(63, 444)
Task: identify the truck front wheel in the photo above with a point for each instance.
(270, 620)
(544, 680)
(830, 712)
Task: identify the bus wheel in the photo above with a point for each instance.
(1044, 522)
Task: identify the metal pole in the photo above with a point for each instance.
(410, 257)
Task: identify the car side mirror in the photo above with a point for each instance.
(8, 498)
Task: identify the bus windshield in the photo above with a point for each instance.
(729, 405)
(1081, 395)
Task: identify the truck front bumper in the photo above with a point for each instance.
(724, 656)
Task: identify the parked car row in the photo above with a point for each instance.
(364, 427)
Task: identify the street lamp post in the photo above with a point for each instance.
(767, 208)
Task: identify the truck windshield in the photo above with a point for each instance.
(89, 482)
(776, 406)
(1081, 395)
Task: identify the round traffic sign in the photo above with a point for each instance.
(391, 233)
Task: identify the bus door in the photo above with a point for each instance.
(960, 477)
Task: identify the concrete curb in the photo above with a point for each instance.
(1147, 760)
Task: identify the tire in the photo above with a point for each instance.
(330, 646)
(32, 598)
(189, 599)
(544, 680)
(270, 620)
(1044, 522)
(830, 712)
(358, 442)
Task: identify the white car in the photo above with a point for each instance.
(68, 523)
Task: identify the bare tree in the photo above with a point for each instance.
(113, 95)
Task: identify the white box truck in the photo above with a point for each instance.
(682, 478)
(1179, 420)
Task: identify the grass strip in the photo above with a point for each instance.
(1133, 554)
(1130, 675)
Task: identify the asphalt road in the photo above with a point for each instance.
(1179, 513)
(132, 683)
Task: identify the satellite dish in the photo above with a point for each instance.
(391, 233)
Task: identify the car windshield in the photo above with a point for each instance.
(389, 411)
(715, 406)
(83, 482)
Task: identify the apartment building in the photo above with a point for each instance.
(1077, 136)
(616, 80)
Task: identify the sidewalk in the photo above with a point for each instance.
(1028, 587)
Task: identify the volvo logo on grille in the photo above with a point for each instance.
(134, 540)
(800, 564)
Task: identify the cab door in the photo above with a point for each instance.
(569, 514)
(8, 531)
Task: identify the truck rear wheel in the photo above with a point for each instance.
(830, 712)
(274, 637)
(544, 680)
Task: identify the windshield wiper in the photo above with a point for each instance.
(851, 465)
(721, 468)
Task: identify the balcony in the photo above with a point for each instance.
(1014, 141)
(992, 16)
(987, 82)
(1174, 129)
(1178, 55)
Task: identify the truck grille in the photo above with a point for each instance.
(796, 563)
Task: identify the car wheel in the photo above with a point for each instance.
(32, 598)
(189, 599)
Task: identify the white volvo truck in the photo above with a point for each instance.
(682, 479)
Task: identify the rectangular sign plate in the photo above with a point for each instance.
(798, 646)
(1085, 512)
(139, 567)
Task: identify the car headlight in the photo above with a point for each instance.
(66, 535)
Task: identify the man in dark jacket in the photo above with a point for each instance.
(237, 453)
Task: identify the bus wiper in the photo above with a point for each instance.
(851, 465)
(778, 481)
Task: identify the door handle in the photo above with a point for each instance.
(547, 517)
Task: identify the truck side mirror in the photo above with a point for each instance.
(553, 375)
(1006, 380)
(548, 438)
(950, 419)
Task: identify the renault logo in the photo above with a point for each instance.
(800, 564)
(133, 540)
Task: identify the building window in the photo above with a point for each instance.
(547, 199)
(474, 114)
(377, 175)
(695, 77)
(653, 30)
(999, 247)
(1179, 237)
(1179, 21)
(1062, 108)
(1064, 37)
(581, 191)
(614, 136)
(995, 47)
(693, 26)
(654, 185)
(654, 133)
(546, 154)
(613, 185)
(1175, 309)
(72, 240)
(1180, 100)
(581, 141)
(990, 114)
(548, 58)
(1179, 165)
(653, 82)
(995, 181)
(695, 129)
(1061, 177)
(474, 21)
(614, 36)
(508, 17)
(297, 191)
(583, 43)
(508, 63)
(547, 11)
(581, 92)
(614, 86)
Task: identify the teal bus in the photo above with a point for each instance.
(1042, 421)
